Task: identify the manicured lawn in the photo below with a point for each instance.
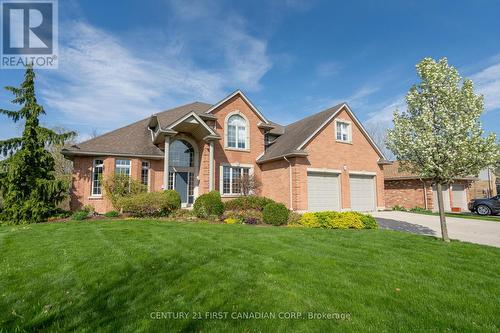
(111, 275)
(495, 218)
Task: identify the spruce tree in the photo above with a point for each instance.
(28, 185)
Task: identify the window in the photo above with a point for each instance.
(145, 173)
(96, 177)
(236, 132)
(343, 131)
(191, 188)
(181, 154)
(231, 179)
(122, 167)
(170, 180)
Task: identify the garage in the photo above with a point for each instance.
(362, 192)
(323, 191)
(459, 196)
(446, 198)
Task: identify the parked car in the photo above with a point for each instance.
(487, 206)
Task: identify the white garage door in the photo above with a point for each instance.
(362, 192)
(323, 191)
(446, 198)
(459, 196)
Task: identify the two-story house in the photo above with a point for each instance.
(323, 162)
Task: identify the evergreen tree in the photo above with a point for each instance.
(28, 186)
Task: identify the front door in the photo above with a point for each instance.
(181, 185)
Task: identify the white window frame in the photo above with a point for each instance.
(149, 173)
(94, 166)
(226, 132)
(221, 176)
(123, 166)
(349, 131)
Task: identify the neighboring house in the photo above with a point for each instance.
(409, 191)
(485, 186)
(324, 162)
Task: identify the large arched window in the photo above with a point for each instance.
(237, 132)
(181, 154)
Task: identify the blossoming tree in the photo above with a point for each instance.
(439, 136)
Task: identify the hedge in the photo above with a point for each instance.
(275, 213)
(336, 220)
(208, 204)
(248, 202)
(151, 204)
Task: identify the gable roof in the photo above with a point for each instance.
(242, 95)
(297, 135)
(134, 139)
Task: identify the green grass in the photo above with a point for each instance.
(111, 275)
(495, 218)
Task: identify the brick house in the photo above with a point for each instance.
(323, 162)
(485, 186)
(409, 191)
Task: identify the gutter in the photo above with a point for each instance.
(296, 154)
(291, 183)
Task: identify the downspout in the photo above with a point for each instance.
(290, 176)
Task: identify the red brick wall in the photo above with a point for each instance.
(232, 156)
(407, 194)
(325, 152)
(81, 188)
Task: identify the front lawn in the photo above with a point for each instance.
(121, 275)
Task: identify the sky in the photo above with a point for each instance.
(121, 61)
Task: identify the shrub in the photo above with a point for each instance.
(80, 215)
(369, 221)
(419, 210)
(112, 213)
(336, 220)
(275, 213)
(208, 204)
(251, 220)
(119, 186)
(231, 220)
(399, 208)
(294, 218)
(253, 216)
(150, 204)
(248, 202)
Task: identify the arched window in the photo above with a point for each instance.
(181, 154)
(236, 132)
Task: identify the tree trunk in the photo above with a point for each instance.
(442, 217)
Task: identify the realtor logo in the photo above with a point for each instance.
(29, 33)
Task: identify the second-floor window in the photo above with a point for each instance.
(237, 132)
(122, 167)
(343, 131)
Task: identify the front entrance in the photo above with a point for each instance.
(181, 185)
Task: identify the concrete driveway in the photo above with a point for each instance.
(467, 230)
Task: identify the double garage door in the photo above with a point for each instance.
(324, 192)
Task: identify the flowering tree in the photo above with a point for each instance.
(440, 137)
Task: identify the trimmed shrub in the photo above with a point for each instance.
(208, 204)
(248, 202)
(336, 220)
(112, 213)
(369, 221)
(80, 215)
(153, 204)
(275, 214)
